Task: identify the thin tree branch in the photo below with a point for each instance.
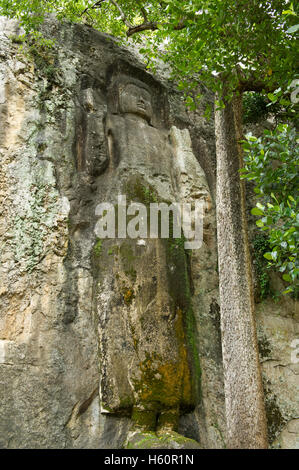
(122, 15)
(144, 14)
(93, 7)
(147, 25)
(152, 26)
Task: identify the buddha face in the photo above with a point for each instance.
(136, 100)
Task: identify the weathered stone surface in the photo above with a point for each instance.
(278, 330)
(54, 167)
(54, 159)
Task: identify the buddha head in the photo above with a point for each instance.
(135, 99)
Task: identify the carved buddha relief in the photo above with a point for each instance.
(133, 139)
(149, 362)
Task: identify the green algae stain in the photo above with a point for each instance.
(97, 249)
(180, 291)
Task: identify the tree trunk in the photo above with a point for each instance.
(245, 411)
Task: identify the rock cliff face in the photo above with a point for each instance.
(89, 336)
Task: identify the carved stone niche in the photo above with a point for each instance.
(120, 74)
(147, 332)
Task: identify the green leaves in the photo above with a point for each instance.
(293, 29)
(254, 107)
(216, 38)
(256, 211)
(272, 161)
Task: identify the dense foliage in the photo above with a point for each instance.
(254, 107)
(247, 42)
(272, 162)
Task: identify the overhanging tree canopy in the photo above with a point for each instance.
(250, 43)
